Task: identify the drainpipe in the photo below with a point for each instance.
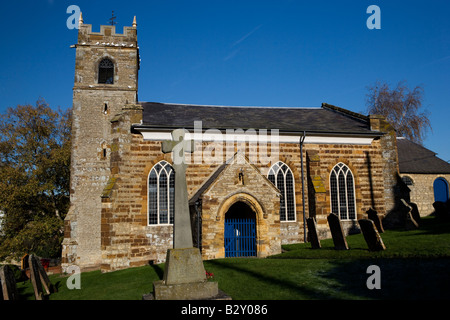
(197, 207)
(302, 139)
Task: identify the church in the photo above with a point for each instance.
(254, 175)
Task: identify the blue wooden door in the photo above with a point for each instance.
(240, 238)
(440, 187)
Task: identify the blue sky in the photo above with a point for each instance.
(245, 53)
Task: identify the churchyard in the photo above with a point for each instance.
(414, 265)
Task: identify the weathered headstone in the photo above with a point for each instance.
(337, 233)
(312, 233)
(410, 223)
(373, 215)
(39, 278)
(442, 211)
(371, 235)
(8, 283)
(415, 212)
(184, 274)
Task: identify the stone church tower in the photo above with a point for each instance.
(106, 80)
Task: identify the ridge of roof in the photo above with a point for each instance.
(227, 106)
(345, 111)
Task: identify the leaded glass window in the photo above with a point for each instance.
(342, 192)
(106, 71)
(281, 176)
(408, 181)
(161, 191)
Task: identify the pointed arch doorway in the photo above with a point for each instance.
(240, 231)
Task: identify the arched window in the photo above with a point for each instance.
(342, 191)
(408, 181)
(281, 176)
(161, 194)
(106, 71)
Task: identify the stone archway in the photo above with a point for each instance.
(240, 231)
(245, 210)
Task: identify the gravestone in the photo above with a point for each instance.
(442, 210)
(373, 215)
(8, 283)
(312, 233)
(371, 235)
(337, 233)
(410, 223)
(39, 278)
(415, 212)
(184, 274)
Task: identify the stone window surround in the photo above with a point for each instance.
(294, 205)
(346, 195)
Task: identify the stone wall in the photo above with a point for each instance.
(366, 164)
(127, 240)
(422, 192)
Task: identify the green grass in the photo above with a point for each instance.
(415, 265)
(431, 240)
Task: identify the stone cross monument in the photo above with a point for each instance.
(182, 235)
(184, 274)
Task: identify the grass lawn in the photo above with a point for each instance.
(416, 265)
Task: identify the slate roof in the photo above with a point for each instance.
(326, 119)
(414, 158)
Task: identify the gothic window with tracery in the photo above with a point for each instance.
(161, 194)
(342, 192)
(281, 176)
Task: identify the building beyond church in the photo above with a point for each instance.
(254, 177)
(426, 175)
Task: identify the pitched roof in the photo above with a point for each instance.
(326, 119)
(414, 158)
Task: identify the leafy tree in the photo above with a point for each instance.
(400, 106)
(34, 179)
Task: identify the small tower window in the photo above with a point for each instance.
(106, 71)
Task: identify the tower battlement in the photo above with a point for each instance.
(107, 36)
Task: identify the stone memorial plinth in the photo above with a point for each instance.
(184, 277)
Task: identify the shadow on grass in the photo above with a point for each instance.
(159, 269)
(401, 279)
(254, 284)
